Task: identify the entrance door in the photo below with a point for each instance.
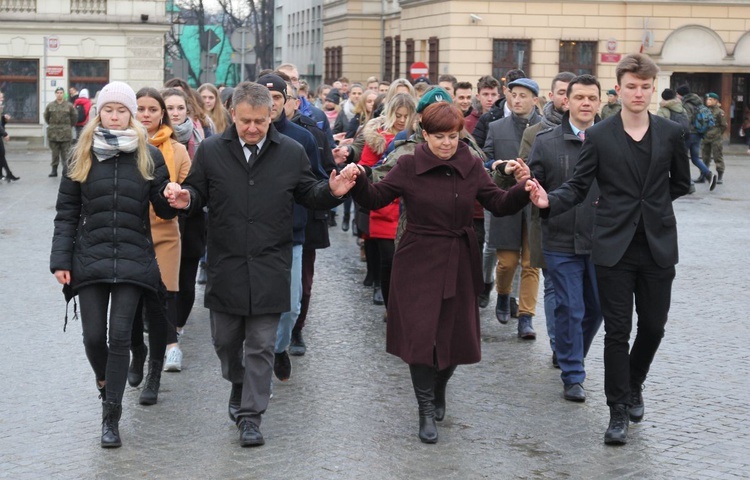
(740, 106)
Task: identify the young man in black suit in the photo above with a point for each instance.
(641, 165)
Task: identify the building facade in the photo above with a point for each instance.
(705, 43)
(298, 37)
(79, 43)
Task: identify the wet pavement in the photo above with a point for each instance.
(349, 412)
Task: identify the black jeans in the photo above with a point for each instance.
(386, 249)
(158, 324)
(109, 363)
(636, 274)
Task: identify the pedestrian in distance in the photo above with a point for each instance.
(101, 246)
(433, 316)
(60, 117)
(4, 137)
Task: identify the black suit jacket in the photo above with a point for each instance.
(624, 198)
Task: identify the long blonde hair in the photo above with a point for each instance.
(399, 100)
(80, 157)
(219, 113)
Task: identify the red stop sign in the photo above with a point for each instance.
(418, 69)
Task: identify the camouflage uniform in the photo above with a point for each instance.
(60, 118)
(712, 146)
(610, 109)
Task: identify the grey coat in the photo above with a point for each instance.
(503, 142)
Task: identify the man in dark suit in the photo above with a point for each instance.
(250, 176)
(641, 165)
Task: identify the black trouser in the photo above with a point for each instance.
(3, 160)
(635, 274)
(109, 363)
(386, 249)
(308, 273)
(158, 324)
(186, 295)
(372, 257)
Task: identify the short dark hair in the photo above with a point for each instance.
(564, 77)
(513, 75)
(487, 81)
(448, 78)
(442, 117)
(463, 86)
(638, 64)
(584, 79)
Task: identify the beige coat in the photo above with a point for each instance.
(166, 233)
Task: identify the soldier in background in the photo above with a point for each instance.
(712, 146)
(61, 117)
(613, 106)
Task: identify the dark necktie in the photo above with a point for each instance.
(253, 149)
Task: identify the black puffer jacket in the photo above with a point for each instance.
(102, 229)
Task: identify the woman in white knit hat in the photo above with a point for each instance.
(101, 247)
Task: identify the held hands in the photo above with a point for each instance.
(518, 169)
(343, 182)
(62, 276)
(537, 194)
(340, 154)
(176, 196)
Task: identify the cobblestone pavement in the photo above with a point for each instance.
(348, 411)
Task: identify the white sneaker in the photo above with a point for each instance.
(174, 360)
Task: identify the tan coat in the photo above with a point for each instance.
(166, 233)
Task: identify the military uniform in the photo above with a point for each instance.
(61, 118)
(610, 110)
(712, 146)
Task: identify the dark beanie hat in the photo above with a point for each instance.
(273, 83)
(668, 94)
(334, 96)
(683, 90)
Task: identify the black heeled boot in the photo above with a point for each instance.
(111, 413)
(423, 379)
(150, 393)
(135, 372)
(441, 381)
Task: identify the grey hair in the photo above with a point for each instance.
(252, 93)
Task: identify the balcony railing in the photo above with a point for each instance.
(88, 7)
(18, 6)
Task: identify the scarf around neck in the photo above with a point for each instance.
(108, 143)
(162, 141)
(551, 117)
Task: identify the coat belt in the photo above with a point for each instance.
(465, 233)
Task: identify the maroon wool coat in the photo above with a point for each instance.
(437, 272)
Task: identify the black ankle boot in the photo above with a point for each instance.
(423, 379)
(502, 308)
(111, 413)
(484, 297)
(150, 393)
(617, 433)
(135, 372)
(441, 382)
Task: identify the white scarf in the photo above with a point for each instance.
(108, 143)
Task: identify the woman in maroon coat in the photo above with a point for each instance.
(433, 317)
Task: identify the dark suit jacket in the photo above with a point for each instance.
(624, 197)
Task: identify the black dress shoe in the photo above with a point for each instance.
(368, 281)
(484, 298)
(377, 297)
(574, 392)
(282, 366)
(250, 435)
(502, 308)
(525, 328)
(297, 346)
(617, 433)
(235, 399)
(636, 410)
(554, 360)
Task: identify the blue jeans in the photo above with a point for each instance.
(578, 314)
(693, 143)
(550, 303)
(288, 319)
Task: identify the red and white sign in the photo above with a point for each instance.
(53, 43)
(611, 57)
(418, 69)
(54, 71)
